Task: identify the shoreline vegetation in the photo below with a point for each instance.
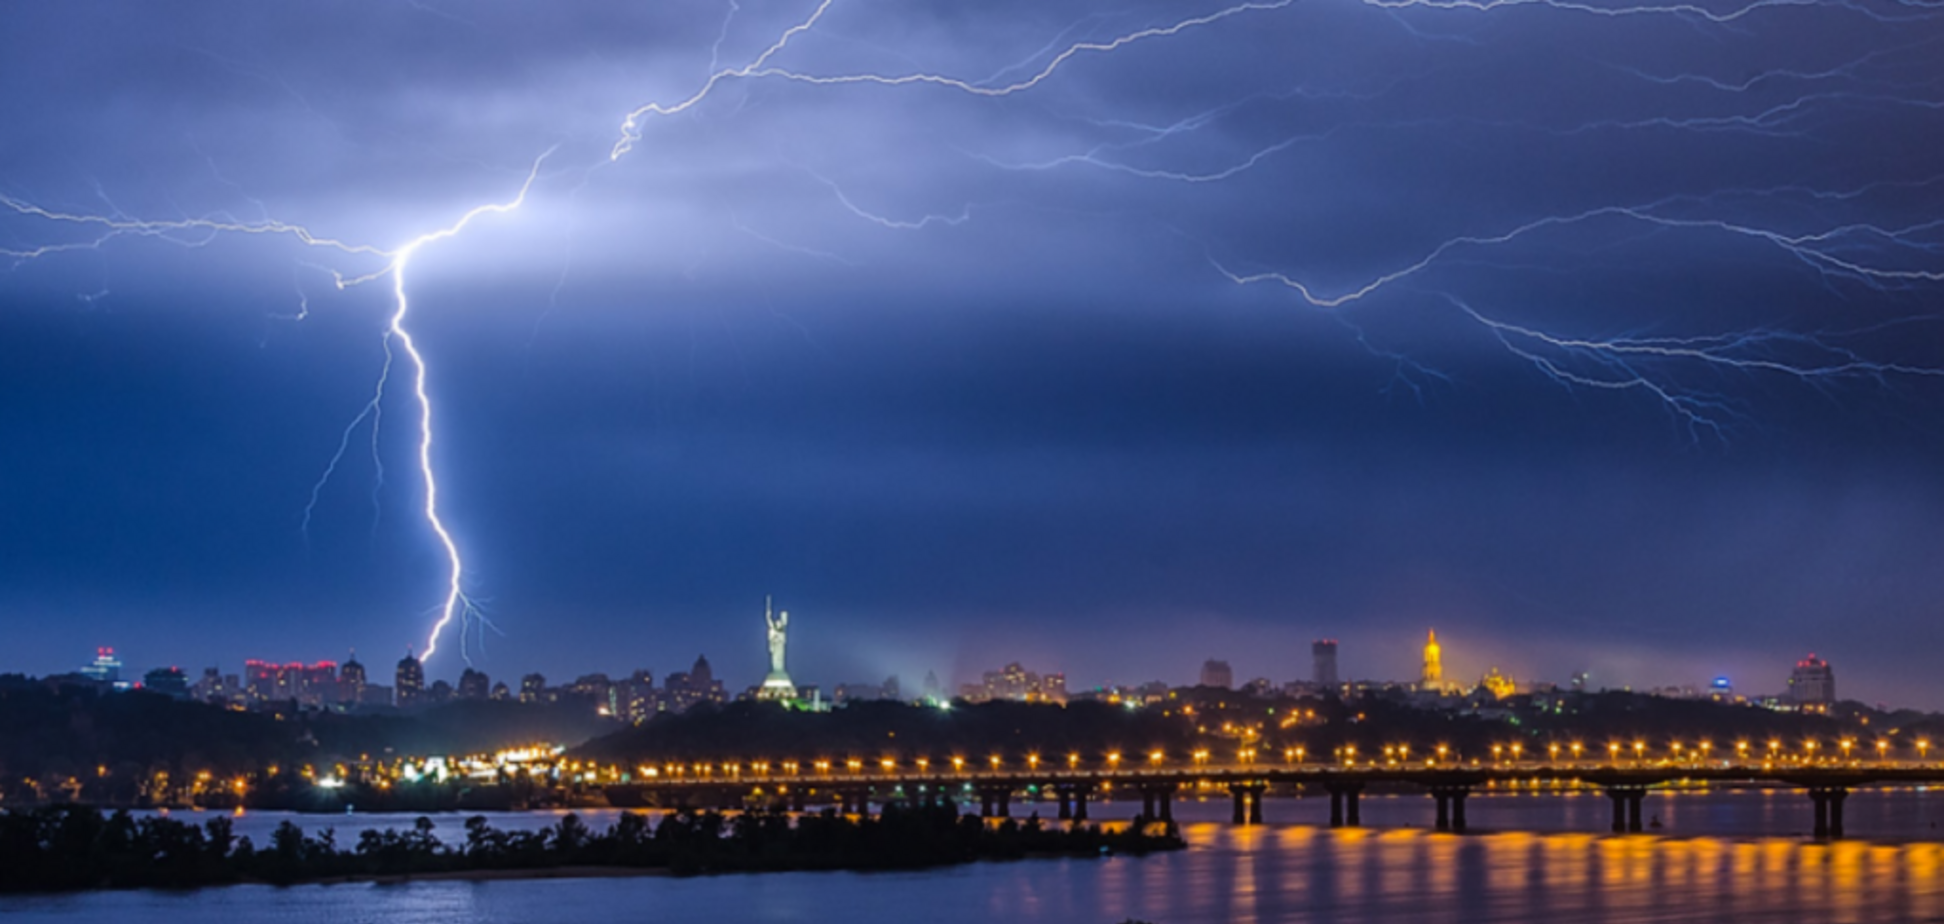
(69, 848)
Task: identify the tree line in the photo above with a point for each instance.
(69, 847)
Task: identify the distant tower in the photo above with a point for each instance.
(1217, 674)
(1433, 677)
(1323, 652)
(1812, 685)
(474, 684)
(105, 669)
(410, 681)
(351, 680)
(777, 685)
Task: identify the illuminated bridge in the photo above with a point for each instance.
(854, 786)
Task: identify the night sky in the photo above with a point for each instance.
(1645, 385)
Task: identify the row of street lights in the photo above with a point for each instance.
(1346, 755)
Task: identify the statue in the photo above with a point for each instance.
(779, 637)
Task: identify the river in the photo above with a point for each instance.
(1720, 856)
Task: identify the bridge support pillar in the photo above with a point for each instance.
(1066, 803)
(1080, 804)
(1345, 811)
(1829, 811)
(1626, 808)
(1158, 802)
(1248, 802)
(1451, 807)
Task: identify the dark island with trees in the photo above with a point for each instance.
(70, 848)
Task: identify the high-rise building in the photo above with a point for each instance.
(1433, 676)
(1015, 682)
(533, 688)
(1812, 684)
(351, 681)
(1323, 670)
(317, 684)
(1217, 674)
(409, 685)
(474, 684)
(212, 688)
(106, 668)
(594, 688)
(169, 681)
(698, 685)
(635, 699)
(307, 684)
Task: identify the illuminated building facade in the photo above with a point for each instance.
(1323, 663)
(635, 699)
(351, 681)
(1014, 682)
(697, 686)
(1812, 685)
(1432, 677)
(270, 682)
(1497, 684)
(474, 684)
(408, 686)
(106, 668)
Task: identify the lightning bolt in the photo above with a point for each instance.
(1880, 256)
(395, 262)
(456, 602)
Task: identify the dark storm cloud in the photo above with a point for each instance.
(961, 379)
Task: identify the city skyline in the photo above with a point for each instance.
(1104, 338)
(1810, 680)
